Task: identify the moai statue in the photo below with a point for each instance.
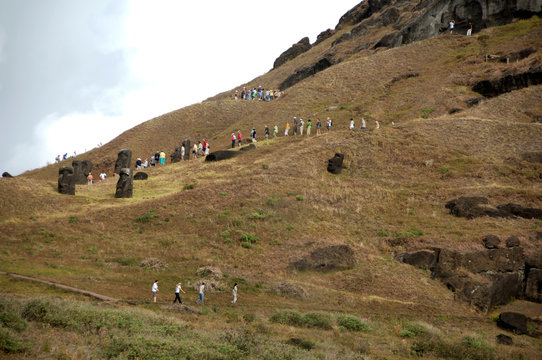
(125, 184)
(66, 180)
(176, 155)
(187, 149)
(124, 160)
(81, 169)
(334, 165)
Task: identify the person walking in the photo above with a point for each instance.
(182, 152)
(377, 125)
(162, 158)
(253, 135)
(469, 29)
(201, 293)
(352, 126)
(239, 138)
(103, 175)
(89, 179)
(234, 293)
(195, 151)
(363, 124)
(154, 290)
(178, 289)
(301, 124)
(309, 125)
(318, 126)
(275, 131)
(232, 140)
(200, 148)
(266, 131)
(286, 129)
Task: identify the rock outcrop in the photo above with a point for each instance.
(297, 49)
(306, 71)
(476, 206)
(141, 176)
(7, 175)
(330, 258)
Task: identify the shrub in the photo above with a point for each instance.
(275, 242)
(249, 238)
(382, 233)
(12, 320)
(246, 245)
(35, 310)
(426, 112)
(444, 169)
(271, 202)
(189, 187)
(249, 317)
(73, 219)
(352, 323)
(256, 216)
(145, 218)
(413, 329)
(301, 343)
(299, 197)
(287, 317)
(225, 234)
(9, 343)
(318, 320)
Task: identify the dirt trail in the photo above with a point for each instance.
(61, 286)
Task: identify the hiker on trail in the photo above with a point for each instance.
(204, 146)
(201, 293)
(207, 149)
(239, 138)
(162, 158)
(182, 152)
(157, 157)
(103, 175)
(266, 131)
(145, 164)
(309, 125)
(200, 148)
(154, 290)
(234, 293)
(178, 289)
(153, 162)
(328, 124)
(195, 151)
(286, 129)
(295, 125)
(363, 124)
(318, 126)
(232, 140)
(452, 24)
(352, 124)
(138, 163)
(275, 131)
(469, 29)
(90, 178)
(377, 125)
(301, 124)
(253, 135)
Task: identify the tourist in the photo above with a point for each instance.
(157, 157)
(182, 152)
(234, 293)
(328, 124)
(363, 124)
(200, 148)
(275, 131)
(239, 138)
(452, 24)
(318, 126)
(266, 131)
(138, 163)
(204, 146)
(352, 124)
(207, 149)
(201, 293)
(154, 290)
(153, 161)
(301, 124)
(178, 289)
(103, 175)
(236, 96)
(195, 151)
(232, 140)
(162, 158)
(469, 29)
(145, 164)
(90, 178)
(295, 125)
(309, 125)
(253, 135)
(286, 129)
(377, 125)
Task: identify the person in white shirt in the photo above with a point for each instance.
(178, 289)
(234, 293)
(201, 293)
(352, 124)
(103, 175)
(154, 290)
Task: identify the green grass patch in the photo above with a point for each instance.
(189, 186)
(288, 317)
(352, 323)
(73, 219)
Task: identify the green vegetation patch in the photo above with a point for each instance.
(352, 323)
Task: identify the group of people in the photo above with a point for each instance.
(451, 26)
(259, 94)
(179, 289)
(90, 177)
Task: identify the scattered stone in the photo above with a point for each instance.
(512, 241)
(141, 176)
(290, 289)
(454, 111)
(153, 264)
(220, 155)
(307, 71)
(474, 206)
(539, 235)
(334, 165)
(491, 241)
(81, 169)
(7, 175)
(124, 160)
(209, 271)
(428, 163)
(210, 285)
(124, 184)
(330, 258)
(474, 101)
(513, 321)
(503, 339)
(66, 180)
(494, 87)
(423, 259)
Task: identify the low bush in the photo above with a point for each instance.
(249, 238)
(352, 323)
(288, 317)
(12, 320)
(319, 320)
(10, 342)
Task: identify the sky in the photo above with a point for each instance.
(74, 74)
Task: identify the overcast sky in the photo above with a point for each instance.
(74, 73)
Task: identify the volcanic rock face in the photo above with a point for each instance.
(124, 160)
(7, 175)
(330, 258)
(66, 180)
(297, 49)
(81, 169)
(125, 183)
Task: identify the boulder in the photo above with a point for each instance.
(355, 15)
(66, 180)
(474, 206)
(81, 169)
(513, 321)
(334, 165)
(533, 284)
(297, 49)
(141, 176)
(7, 175)
(518, 210)
(534, 157)
(503, 339)
(124, 160)
(330, 258)
(323, 36)
(220, 155)
(423, 259)
(124, 184)
(512, 241)
(491, 241)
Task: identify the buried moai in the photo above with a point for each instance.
(81, 169)
(66, 180)
(124, 160)
(334, 165)
(125, 184)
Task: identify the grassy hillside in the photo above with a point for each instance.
(253, 215)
